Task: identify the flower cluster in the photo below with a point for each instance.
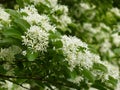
(34, 18)
(36, 39)
(9, 53)
(58, 12)
(4, 17)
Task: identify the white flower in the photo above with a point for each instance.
(40, 20)
(118, 86)
(116, 39)
(62, 8)
(4, 16)
(34, 18)
(71, 50)
(8, 53)
(63, 21)
(24, 53)
(85, 6)
(113, 70)
(77, 79)
(48, 27)
(77, 53)
(48, 88)
(36, 39)
(51, 3)
(8, 85)
(106, 46)
(29, 10)
(89, 27)
(104, 26)
(116, 11)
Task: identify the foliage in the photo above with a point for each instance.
(42, 48)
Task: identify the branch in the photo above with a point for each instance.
(56, 83)
(20, 77)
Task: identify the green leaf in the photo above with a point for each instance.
(99, 85)
(87, 74)
(31, 55)
(13, 13)
(42, 8)
(100, 67)
(58, 12)
(20, 2)
(12, 33)
(7, 41)
(117, 51)
(24, 25)
(2, 70)
(73, 74)
(58, 44)
(54, 35)
(112, 81)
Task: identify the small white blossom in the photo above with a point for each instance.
(29, 10)
(85, 6)
(116, 11)
(7, 85)
(36, 39)
(8, 53)
(71, 50)
(63, 21)
(113, 70)
(4, 18)
(105, 46)
(62, 8)
(24, 53)
(34, 18)
(77, 79)
(77, 56)
(51, 3)
(118, 86)
(4, 15)
(116, 39)
(89, 27)
(104, 26)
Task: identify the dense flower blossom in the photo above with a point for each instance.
(72, 47)
(77, 79)
(116, 11)
(51, 3)
(113, 70)
(105, 47)
(9, 53)
(28, 10)
(116, 39)
(34, 18)
(63, 19)
(4, 16)
(85, 6)
(36, 39)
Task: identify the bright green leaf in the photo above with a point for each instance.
(87, 74)
(24, 25)
(32, 55)
(100, 67)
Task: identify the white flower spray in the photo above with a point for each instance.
(36, 39)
